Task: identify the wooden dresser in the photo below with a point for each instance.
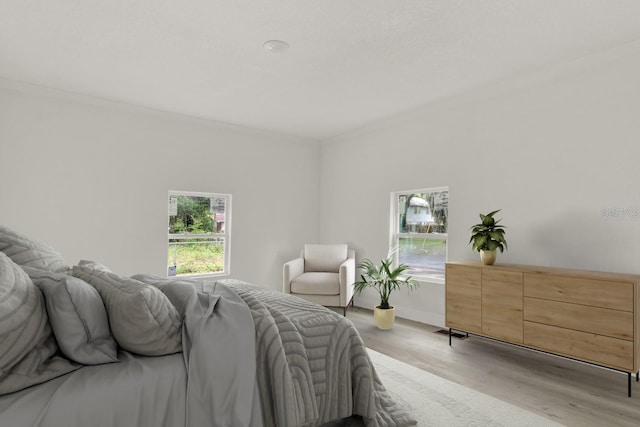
(584, 315)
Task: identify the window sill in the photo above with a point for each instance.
(428, 281)
(200, 276)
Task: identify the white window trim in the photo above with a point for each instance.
(226, 268)
(394, 226)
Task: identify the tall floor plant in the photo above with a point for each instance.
(384, 278)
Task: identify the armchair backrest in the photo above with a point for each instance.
(326, 258)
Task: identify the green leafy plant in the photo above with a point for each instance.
(488, 235)
(383, 278)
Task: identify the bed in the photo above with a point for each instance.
(85, 346)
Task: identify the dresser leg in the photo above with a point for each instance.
(638, 376)
(629, 382)
(449, 337)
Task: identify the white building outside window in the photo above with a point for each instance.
(419, 220)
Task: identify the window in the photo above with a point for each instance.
(419, 231)
(199, 233)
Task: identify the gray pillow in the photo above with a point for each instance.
(78, 317)
(177, 290)
(27, 252)
(27, 345)
(142, 318)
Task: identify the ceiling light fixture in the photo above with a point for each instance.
(275, 46)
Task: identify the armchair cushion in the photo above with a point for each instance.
(327, 258)
(316, 283)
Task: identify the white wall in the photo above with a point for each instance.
(91, 178)
(552, 150)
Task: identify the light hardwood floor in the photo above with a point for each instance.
(566, 391)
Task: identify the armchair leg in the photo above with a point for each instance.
(344, 310)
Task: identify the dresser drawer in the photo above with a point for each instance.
(597, 320)
(606, 351)
(593, 292)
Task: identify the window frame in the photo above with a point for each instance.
(226, 235)
(395, 235)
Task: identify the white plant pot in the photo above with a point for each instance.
(384, 317)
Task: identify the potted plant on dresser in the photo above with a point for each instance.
(384, 279)
(487, 237)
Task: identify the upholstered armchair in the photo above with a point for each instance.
(323, 274)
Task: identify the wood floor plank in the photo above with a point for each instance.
(566, 391)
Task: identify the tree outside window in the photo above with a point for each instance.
(198, 233)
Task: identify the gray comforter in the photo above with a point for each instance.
(251, 357)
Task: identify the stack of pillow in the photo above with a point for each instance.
(55, 319)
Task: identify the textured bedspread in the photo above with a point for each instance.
(298, 342)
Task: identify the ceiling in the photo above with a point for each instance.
(350, 62)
